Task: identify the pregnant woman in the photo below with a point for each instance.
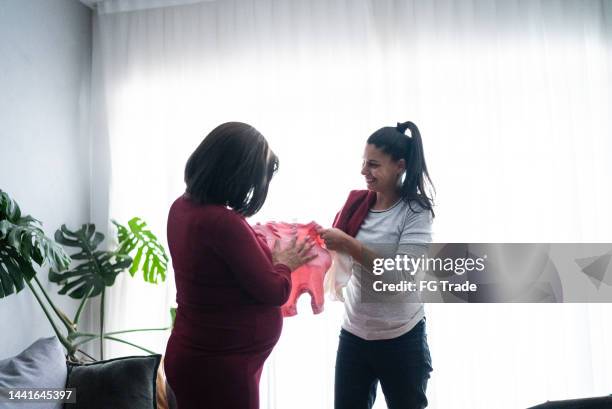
(383, 336)
(230, 285)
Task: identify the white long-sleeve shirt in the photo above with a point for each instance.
(395, 231)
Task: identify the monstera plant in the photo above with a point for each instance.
(22, 243)
(96, 269)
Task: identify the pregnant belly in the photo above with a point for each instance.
(227, 329)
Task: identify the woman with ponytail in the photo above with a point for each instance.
(383, 335)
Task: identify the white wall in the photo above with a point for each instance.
(45, 65)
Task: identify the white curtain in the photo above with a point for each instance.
(513, 99)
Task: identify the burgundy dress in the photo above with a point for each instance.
(228, 318)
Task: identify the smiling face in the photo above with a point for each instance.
(382, 173)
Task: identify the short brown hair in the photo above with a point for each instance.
(232, 166)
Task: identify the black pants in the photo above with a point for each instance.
(402, 365)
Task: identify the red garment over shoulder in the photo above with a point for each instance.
(307, 278)
(354, 211)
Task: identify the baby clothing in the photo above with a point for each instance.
(309, 277)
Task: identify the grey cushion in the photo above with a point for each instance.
(41, 365)
(122, 383)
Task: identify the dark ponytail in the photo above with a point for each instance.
(394, 142)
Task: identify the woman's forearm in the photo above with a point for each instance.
(360, 253)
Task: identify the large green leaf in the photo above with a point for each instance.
(14, 269)
(97, 270)
(9, 209)
(29, 241)
(150, 256)
(22, 243)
